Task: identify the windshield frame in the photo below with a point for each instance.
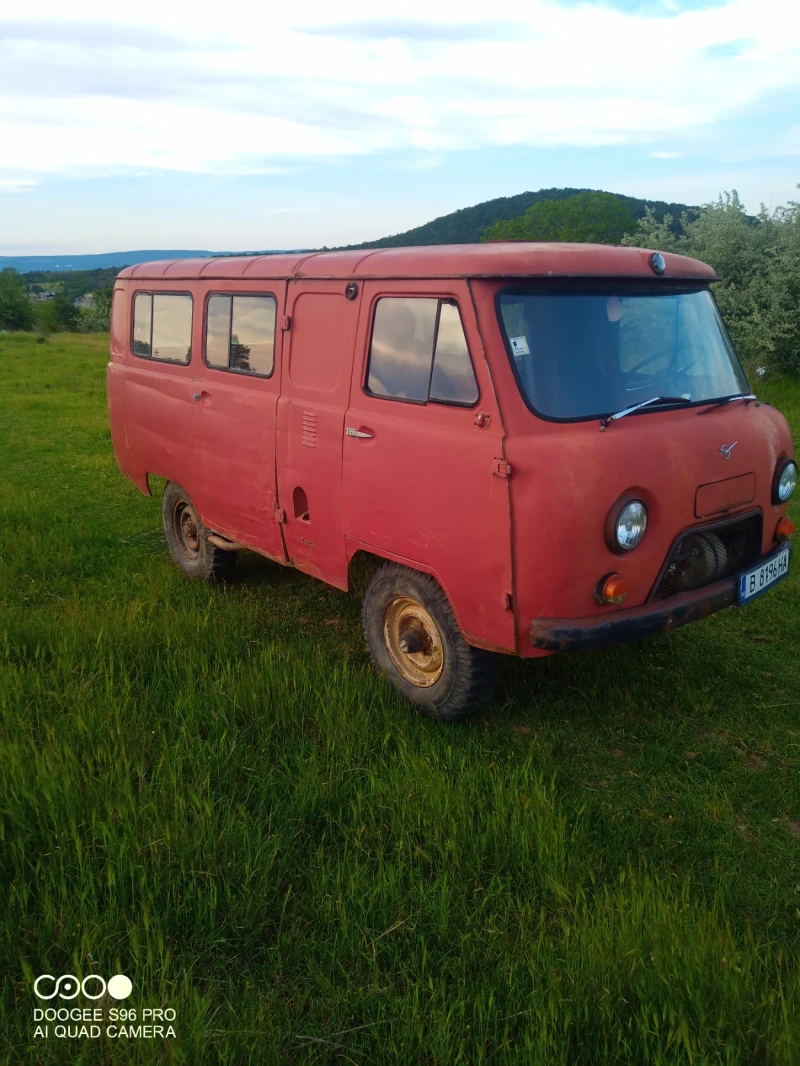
(581, 286)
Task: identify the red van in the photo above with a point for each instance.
(537, 447)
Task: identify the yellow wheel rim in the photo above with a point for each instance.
(186, 526)
(414, 642)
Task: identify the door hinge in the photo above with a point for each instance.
(502, 468)
(280, 516)
(286, 322)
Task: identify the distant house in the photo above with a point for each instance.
(86, 301)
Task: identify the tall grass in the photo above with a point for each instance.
(208, 790)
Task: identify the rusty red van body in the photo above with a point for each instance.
(549, 446)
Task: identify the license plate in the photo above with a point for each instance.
(762, 577)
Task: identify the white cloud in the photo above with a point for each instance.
(12, 185)
(160, 85)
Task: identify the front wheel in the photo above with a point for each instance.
(414, 640)
(187, 539)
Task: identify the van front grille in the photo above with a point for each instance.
(709, 553)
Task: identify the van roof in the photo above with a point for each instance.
(492, 260)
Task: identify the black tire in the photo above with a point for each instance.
(187, 539)
(451, 679)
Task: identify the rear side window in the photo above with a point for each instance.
(142, 323)
(117, 322)
(240, 333)
(419, 353)
(162, 326)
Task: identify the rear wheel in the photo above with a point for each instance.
(187, 539)
(414, 640)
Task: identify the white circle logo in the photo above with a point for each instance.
(119, 986)
(68, 986)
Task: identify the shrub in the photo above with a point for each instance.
(97, 319)
(758, 260)
(57, 315)
(16, 311)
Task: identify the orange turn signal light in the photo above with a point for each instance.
(612, 589)
(784, 529)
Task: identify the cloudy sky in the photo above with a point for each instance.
(162, 124)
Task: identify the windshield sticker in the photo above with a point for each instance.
(519, 345)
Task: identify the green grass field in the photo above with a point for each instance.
(208, 790)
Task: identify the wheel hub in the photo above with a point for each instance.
(414, 642)
(186, 528)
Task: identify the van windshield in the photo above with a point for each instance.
(581, 353)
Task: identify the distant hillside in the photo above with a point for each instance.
(25, 263)
(49, 263)
(70, 283)
(468, 224)
(465, 226)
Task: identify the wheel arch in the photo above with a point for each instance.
(364, 559)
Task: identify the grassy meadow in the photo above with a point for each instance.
(206, 789)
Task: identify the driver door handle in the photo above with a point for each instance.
(351, 432)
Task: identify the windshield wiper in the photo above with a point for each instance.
(726, 400)
(606, 422)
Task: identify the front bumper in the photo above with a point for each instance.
(603, 630)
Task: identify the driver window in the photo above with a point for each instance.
(453, 380)
(419, 352)
(402, 348)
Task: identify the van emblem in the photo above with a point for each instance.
(726, 449)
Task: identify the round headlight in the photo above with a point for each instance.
(630, 525)
(785, 481)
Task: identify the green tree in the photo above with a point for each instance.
(16, 310)
(58, 315)
(779, 289)
(758, 261)
(97, 319)
(660, 235)
(595, 217)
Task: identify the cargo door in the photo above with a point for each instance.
(320, 337)
(235, 397)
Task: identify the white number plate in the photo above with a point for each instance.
(761, 577)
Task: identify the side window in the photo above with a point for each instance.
(402, 348)
(453, 379)
(116, 324)
(419, 352)
(162, 326)
(218, 331)
(142, 323)
(240, 333)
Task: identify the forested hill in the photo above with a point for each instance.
(468, 224)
